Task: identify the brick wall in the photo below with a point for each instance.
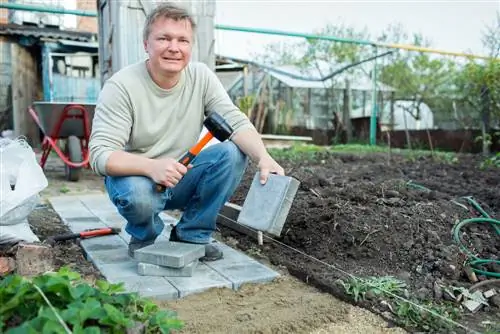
(86, 23)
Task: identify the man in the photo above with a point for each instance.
(148, 115)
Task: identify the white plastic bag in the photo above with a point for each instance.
(21, 181)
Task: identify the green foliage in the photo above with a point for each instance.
(376, 286)
(427, 316)
(61, 302)
(309, 152)
(298, 152)
(410, 312)
(493, 161)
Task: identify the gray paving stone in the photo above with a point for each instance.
(111, 256)
(70, 207)
(170, 254)
(97, 201)
(266, 206)
(103, 243)
(113, 219)
(204, 278)
(231, 255)
(243, 272)
(150, 287)
(148, 269)
(117, 271)
(80, 224)
(240, 268)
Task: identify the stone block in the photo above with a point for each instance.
(266, 206)
(148, 269)
(111, 256)
(203, 278)
(149, 287)
(170, 254)
(80, 224)
(239, 268)
(7, 265)
(490, 293)
(117, 271)
(103, 243)
(34, 259)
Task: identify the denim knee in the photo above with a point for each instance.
(233, 156)
(132, 196)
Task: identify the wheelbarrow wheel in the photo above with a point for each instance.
(74, 153)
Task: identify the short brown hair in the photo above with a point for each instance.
(170, 11)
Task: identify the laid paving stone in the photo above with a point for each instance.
(240, 268)
(71, 207)
(170, 254)
(204, 278)
(148, 269)
(116, 271)
(244, 272)
(150, 287)
(113, 219)
(80, 224)
(98, 202)
(103, 243)
(111, 256)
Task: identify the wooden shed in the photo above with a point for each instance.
(26, 72)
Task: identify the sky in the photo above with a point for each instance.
(450, 25)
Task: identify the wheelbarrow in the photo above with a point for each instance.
(69, 122)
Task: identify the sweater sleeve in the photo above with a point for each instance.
(111, 125)
(218, 100)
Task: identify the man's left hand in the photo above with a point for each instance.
(268, 165)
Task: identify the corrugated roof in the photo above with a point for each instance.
(41, 32)
(297, 78)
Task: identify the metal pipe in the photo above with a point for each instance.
(292, 34)
(407, 47)
(373, 117)
(46, 9)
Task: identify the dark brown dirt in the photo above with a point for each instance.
(357, 214)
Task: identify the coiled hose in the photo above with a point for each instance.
(473, 260)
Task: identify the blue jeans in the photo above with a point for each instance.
(200, 194)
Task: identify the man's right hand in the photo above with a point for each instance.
(167, 171)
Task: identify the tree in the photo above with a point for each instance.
(478, 85)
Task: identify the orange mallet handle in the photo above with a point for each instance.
(190, 155)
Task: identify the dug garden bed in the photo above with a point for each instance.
(376, 229)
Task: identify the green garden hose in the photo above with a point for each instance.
(473, 259)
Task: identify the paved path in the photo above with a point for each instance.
(109, 253)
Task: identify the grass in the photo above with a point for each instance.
(406, 311)
(310, 152)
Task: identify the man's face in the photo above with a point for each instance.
(169, 45)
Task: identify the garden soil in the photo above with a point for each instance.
(287, 305)
(379, 215)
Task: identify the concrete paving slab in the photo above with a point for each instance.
(150, 287)
(110, 254)
(148, 269)
(170, 254)
(117, 271)
(103, 243)
(77, 225)
(204, 278)
(266, 206)
(243, 272)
